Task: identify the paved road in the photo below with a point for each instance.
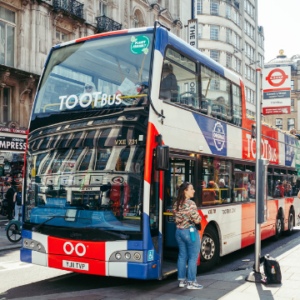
(18, 279)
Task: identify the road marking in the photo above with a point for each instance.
(13, 265)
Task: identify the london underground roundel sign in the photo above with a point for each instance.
(277, 77)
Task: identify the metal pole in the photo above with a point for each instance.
(257, 177)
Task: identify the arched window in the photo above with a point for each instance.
(135, 21)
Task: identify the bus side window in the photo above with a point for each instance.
(216, 181)
(237, 105)
(179, 84)
(216, 95)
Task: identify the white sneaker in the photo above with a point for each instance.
(194, 286)
(182, 283)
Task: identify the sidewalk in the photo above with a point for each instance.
(225, 286)
(5, 244)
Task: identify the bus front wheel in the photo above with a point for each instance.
(210, 248)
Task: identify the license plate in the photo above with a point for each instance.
(75, 265)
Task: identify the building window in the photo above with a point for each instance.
(7, 36)
(228, 11)
(278, 123)
(200, 29)
(199, 6)
(5, 104)
(291, 124)
(228, 61)
(228, 36)
(135, 21)
(238, 19)
(214, 7)
(238, 42)
(292, 105)
(214, 54)
(239, 66)
(235, 64)
(61, 37)
(292, 85)
(214, 32)
(102, 9)
(245, 26)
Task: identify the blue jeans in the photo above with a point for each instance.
(188, 250)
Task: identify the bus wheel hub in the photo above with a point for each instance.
(208, 248)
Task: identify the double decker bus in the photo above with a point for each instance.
(94, 200)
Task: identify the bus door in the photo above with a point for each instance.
(182, 168)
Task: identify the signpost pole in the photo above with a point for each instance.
(257, 169)
(260, 186)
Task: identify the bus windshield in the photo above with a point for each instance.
(97, 74)
(85, 169)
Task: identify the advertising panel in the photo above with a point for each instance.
(276, 90)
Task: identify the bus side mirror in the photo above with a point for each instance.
(162, 158)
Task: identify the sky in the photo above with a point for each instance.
(281, 22)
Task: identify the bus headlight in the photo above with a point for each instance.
(137, 256)
(33, 245)
(127, 255)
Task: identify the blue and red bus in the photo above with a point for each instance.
(96, 199)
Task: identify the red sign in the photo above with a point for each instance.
(20, 131)
(272, 78)
(269, 148)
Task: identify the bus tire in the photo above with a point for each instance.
(210, 248)
(290, 224)
(279, 226)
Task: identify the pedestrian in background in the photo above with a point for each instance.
(10, 195)
(185, 213)
(18, 200)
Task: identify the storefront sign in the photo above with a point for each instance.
(12, 130)
(12, 143)
(277, 91)
(193, 33)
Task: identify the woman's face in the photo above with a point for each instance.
(189, 192)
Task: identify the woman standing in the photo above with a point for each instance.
(185, 213)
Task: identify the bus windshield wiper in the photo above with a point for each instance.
(112, 232)
(36, 228)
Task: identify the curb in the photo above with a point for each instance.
(12, 247)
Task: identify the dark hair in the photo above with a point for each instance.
(168, 68)
(181, 196)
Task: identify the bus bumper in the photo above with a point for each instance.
(148, 270)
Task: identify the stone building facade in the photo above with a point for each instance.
(228, 32)
(288, 121)
(28, 30)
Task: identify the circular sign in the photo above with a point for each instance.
(273, 77)
(139, 44)
(219, 136)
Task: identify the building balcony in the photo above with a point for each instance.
(72, 7)
(105, 24)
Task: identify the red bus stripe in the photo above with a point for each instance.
(152, 132)
(101, 34)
